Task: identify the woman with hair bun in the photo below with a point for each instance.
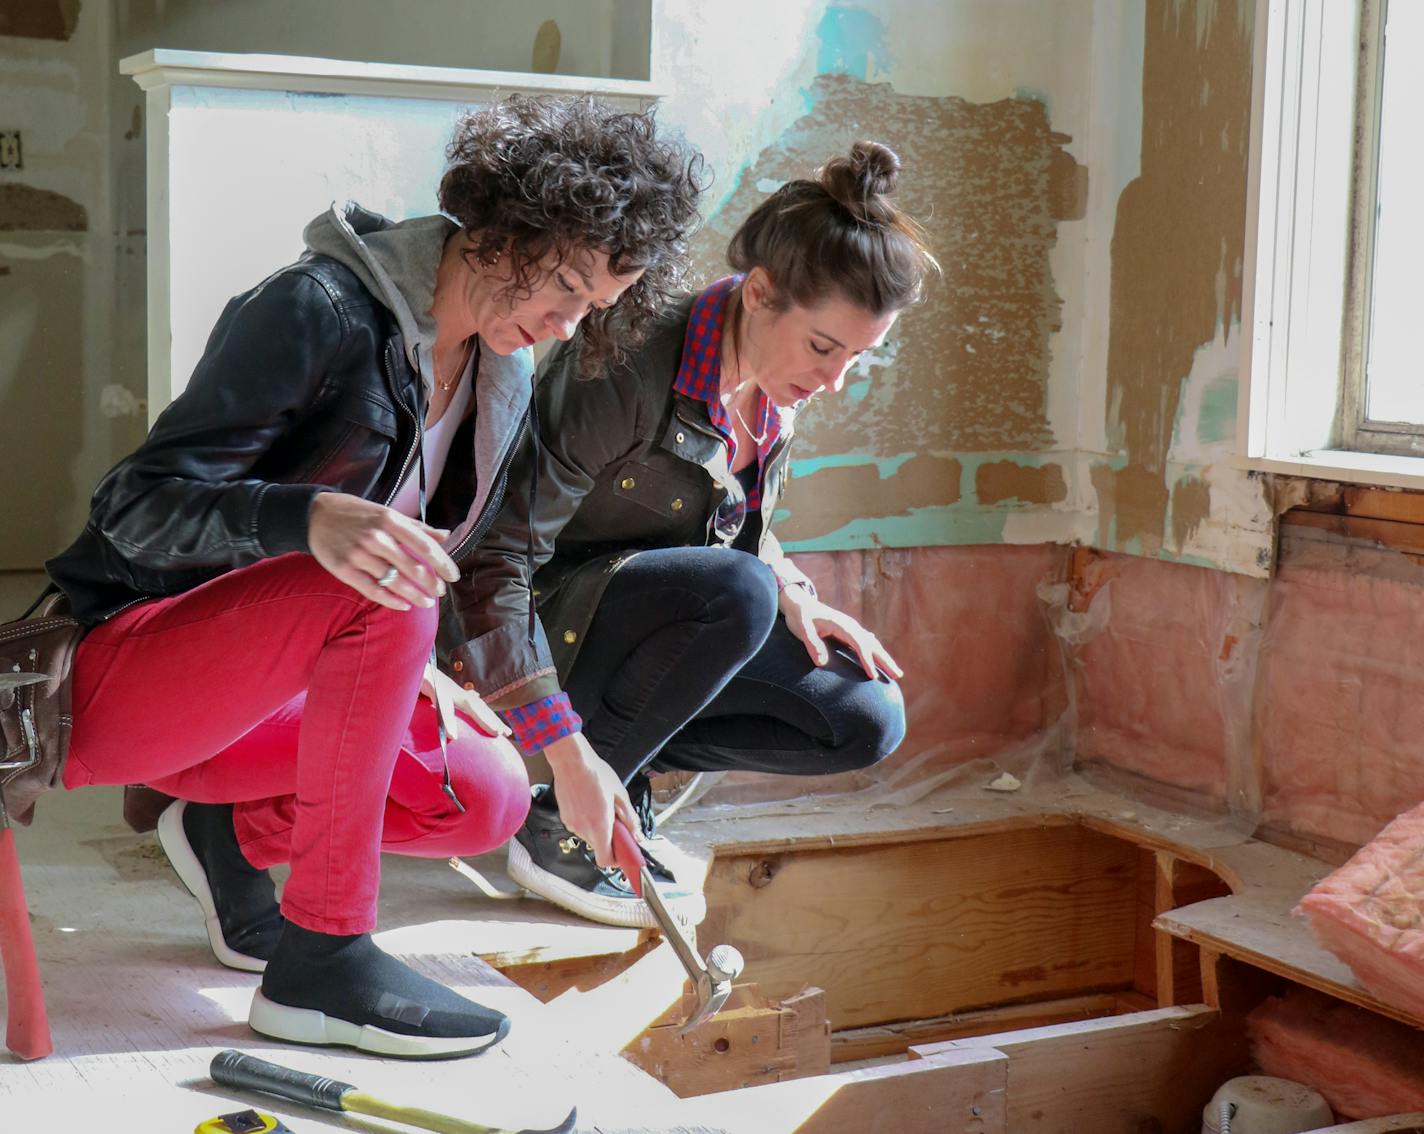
(262, 579)
(674, 633)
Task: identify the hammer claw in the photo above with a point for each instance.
(565, 1127)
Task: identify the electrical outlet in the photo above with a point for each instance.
(12, 155)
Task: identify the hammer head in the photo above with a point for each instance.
(714, 984)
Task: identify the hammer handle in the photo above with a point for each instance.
(247, 1072)
(629, 855)
(26, 1021)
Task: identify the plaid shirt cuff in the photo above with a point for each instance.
(542, 722)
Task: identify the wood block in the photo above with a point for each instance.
(1154, 1070)
(912, 930)
(749, 1042)
(959, 1092)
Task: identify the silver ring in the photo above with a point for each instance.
(388, 578)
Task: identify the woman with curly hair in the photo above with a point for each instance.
(678, 635)
(263, 578)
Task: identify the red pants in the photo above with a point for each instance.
(281, 690)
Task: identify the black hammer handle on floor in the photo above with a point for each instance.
(246, 1072)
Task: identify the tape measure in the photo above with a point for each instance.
(243, 1122)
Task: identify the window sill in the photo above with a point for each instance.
(1346, 465)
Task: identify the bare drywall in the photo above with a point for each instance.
(1165, 487)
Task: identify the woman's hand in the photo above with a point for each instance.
(359, 542)
(447, 695)
(590, 795)
(813, 621)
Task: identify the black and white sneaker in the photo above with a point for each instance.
(239, 902)
(546, 858)
(343, 991)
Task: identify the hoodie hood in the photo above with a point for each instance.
(396, 261)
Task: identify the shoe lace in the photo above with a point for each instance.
(640, 791)
(612, 873)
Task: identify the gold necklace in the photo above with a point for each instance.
(455, 376)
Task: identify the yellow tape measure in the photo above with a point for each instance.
(243, 1122)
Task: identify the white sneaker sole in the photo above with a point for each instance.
(307, 1025)
(174, 841)
(688, 907)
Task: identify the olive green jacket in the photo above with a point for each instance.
(622, 464)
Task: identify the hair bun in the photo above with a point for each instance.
(859, 179)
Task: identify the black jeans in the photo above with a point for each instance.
(687, 665)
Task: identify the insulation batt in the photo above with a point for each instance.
(1370, 913)
(1364, 1065)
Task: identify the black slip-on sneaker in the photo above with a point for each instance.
(343, 991)
(239, 902)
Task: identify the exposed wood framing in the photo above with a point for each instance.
(852, 1044)
(958, 1092)
(902, 931)
(1150, 1071)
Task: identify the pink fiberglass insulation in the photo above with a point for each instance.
(1365, 1066)
(1306, 691)
(983, 671)
(1164, 688)
(1340, 700)
(1370, 914)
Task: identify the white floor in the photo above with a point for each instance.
(138, 1006)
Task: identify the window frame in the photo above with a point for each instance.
(1315, 77)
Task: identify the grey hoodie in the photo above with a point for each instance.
(396, 261)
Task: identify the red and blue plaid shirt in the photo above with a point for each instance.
(548, 719)
(700, 376)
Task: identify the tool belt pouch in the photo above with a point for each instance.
(36, 660)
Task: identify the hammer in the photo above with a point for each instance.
(713, 978)
(247, 1072)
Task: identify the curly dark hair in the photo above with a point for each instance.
(539, 175)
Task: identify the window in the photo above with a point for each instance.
(1383, 410)
(1332, 386)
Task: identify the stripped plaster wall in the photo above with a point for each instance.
(961, 429)
(1161, 481)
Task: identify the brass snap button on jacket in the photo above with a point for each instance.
(570, 637)
(627, 482)
(677, 505)
(458, 666)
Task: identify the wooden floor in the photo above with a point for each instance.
(138, 1006)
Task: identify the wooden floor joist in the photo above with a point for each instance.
(1149, 1071)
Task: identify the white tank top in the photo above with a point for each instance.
(438, 438)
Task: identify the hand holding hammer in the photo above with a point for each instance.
(712, 978)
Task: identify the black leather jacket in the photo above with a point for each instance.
(304, 387)
(625, 463)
